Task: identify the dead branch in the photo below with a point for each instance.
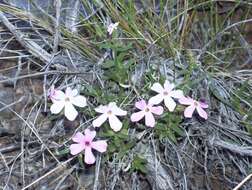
(31, 46)
(243, 151)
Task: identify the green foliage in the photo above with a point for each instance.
(62, 151)
(139, 164)
(81, 160)
(168, 127)
(118, 69)
(110, 93)
(120, 142)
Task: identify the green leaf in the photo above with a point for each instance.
(108, 64)
(80, 159)
(168, 127)
(62, 151)
(139, 164)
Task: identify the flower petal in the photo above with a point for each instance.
(203, 105)
(57, 95)
(100, 145)
(157, 87)
(112, 27)
(100, 120)
(170, 103)
(57, 106)
(158, 110)
(68, 92)
(101, 109)
(137, 116)
(76, 148)
(79, 101)
(189, 111)
(89, 156)
(201, 112)
(140, 104)
(168, 86)
(149, 119)
(156, 99)
(111, 105)
(70, 111)
(186, 101)
(176, 94)
(74, 92)
(78, 137)
(118, 111)
(89, 135)
(115, 123)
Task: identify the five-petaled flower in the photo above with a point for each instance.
(112, 27)
(147, 111)
(86, 143)
(193, 104)
(67, 100)
(167, 94)
(109, 112)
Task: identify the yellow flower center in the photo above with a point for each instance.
(109, 112)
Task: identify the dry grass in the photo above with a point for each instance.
(202, 46)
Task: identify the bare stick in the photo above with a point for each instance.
(242, 182)
(61, 165)
(97, 172)
(31, 46)
(33, 130)
(43, 73)
(242, 150)
(57, 27)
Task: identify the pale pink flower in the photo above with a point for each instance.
(112, 27)
(86, 143)
(67, 100)
(147, 111)
(109, 112)
(165, 94)
(53, 93)
(193, 104)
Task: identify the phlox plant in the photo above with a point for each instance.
(145, 109)
(150, 110)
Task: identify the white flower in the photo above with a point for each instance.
(112, 27)
(167, 94)
(109, 112)
(67, 100)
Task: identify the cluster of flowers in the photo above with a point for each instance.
(71, 98)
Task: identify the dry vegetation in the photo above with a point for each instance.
(203, 46)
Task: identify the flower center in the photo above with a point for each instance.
(147, 110)
(165, 93)
(87, 143)
(195, 103)
(109, 112)
(67, 99)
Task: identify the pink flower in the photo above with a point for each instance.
(146, 111)
(112, 27)
(193, 104)
(54, 93)
(167, 94)
(86, 143)
(109, 112)
(67, 100)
